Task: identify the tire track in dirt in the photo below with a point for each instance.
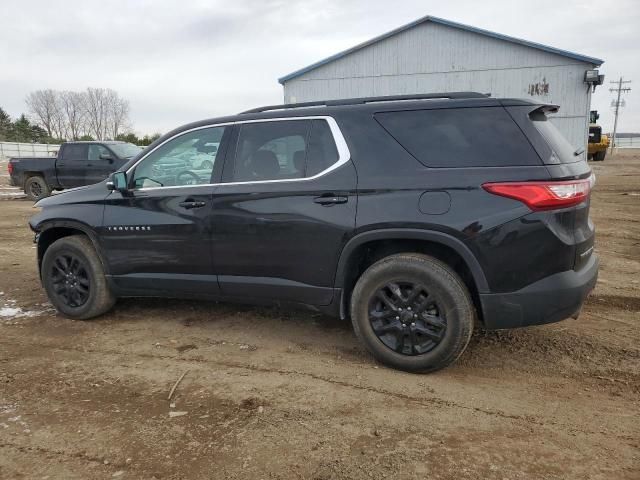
(48, 451)
(422, 401)
(621, 302)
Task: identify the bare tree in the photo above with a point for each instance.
(60, 126)
(43, 106)
(100, 112)
(96, 109)
(75, 113)
(118, 115)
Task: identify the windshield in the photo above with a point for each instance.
(125, 150)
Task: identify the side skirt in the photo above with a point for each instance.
(265, 291)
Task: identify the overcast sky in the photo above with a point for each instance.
(180, 61)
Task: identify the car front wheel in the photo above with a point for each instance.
(412, 312)
(74, 280)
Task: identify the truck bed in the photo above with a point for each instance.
(19, 166)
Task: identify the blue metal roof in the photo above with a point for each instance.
(448, 23)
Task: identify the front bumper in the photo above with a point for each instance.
(549, 300)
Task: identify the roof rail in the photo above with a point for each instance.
(363, 100)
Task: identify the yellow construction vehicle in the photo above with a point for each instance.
(598, 142)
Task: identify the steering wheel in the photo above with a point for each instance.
(187, 177)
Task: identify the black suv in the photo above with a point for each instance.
(413, 216)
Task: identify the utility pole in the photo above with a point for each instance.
(619, 89)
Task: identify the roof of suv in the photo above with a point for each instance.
(386, 103)
(106, 142)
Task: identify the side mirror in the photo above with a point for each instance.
(118, 181)
(106, 156)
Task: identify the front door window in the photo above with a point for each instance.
(185, 160)
(97, 151)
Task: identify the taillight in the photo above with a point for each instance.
(10, 168)
(543, 195)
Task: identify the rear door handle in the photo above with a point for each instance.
(330, 199)
(189, 204)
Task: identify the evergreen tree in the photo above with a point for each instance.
(6, 127)
(128, 137)
(147, 140)
(39, 135)
(22, 130)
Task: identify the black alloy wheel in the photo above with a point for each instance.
(412, 312)
(35, 189)
(70, 279)
(406, 318)
(74, 279)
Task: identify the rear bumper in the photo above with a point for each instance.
(549, 300)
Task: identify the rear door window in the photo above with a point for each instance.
(271, 151)
(322, 151)
(460, 137)
(75, 152)
(282, 150)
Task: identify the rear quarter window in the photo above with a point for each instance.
(564, 151)
(460, 137)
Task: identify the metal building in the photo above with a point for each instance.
(436, 55)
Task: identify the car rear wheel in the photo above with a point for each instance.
(36, 188)
(412, 312)
(74, 280)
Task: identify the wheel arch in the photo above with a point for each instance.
(56, 229)
(26, 175)
(356, 257)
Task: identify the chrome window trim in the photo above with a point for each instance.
(344, 155)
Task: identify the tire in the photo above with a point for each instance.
(92, 296)
(36, 188)
(441, 327)
(187, 177)
(599, 156)
(206, 165)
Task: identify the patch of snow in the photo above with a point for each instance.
(7, 409)
(17, 312)
(176, 414)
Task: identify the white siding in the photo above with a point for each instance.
(15, 149)
(435, 58)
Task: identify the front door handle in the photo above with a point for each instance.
(189, 204)
(330, 199)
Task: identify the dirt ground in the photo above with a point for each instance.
(289, 394)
